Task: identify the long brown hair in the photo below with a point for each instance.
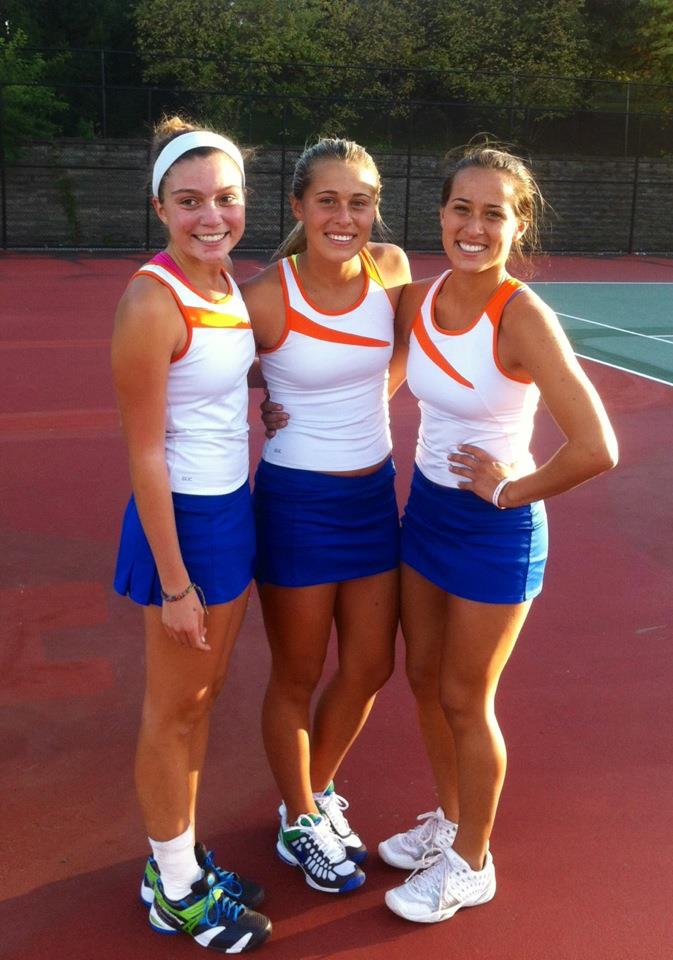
(528, 203)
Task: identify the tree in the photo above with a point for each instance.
(29, 108)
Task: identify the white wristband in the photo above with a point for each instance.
(495, 498)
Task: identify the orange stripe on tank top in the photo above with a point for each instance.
(428, 347)
(309, 328)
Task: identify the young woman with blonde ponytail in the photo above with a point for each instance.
(327, 520)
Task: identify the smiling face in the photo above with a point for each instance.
(479, 223)
(203, 207)
(337, 208)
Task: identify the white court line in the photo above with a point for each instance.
(602, 283)
(615, 366)
(609, 326)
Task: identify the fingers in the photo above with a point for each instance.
(184, 623)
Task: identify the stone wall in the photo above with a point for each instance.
(82, 194)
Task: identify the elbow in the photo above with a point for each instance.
(603, 457)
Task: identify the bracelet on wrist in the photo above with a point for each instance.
(495, 497)
(173, 597)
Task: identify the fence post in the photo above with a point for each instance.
(627, 117)
(148, 214)
(634, 196)
(103, 94)
(512, 108)
(3, 177)
(407, 194)
(281, 218)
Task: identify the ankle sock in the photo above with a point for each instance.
(177, 864)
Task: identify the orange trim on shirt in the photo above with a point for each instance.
(185, 281)
(433, 352)
(309, 328)
(494, 310)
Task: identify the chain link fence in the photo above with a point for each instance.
(602, 152)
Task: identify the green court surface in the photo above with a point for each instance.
(625, 325)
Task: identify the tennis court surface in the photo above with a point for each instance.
(584, 837)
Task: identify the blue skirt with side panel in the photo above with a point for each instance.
(217, 542)
(470, 548)
(317, 528)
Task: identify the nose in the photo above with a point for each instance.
(210, 212)
(343, 213)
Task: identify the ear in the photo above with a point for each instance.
(159, 210)
(295, 206)
(441, 216)
(521, 228)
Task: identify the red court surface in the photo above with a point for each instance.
(583, 840)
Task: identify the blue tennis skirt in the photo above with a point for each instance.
(217, 542)
(470, 548)
(316, 528)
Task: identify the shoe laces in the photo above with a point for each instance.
(429, 877)
(324, 838)
(433, 833)
(333, 804)
(219, 905)
(226, 878)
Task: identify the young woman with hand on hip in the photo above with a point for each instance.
(482, 349)
(327, 520)
(181, 350)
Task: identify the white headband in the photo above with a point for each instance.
(190, 141)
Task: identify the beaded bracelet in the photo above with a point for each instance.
(172, 597)
(495, 497)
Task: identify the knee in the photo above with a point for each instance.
(464, 704)
(182, 715)
(367, 678)
(423, 681)
(296, 685)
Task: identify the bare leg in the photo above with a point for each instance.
(479, 640)
(181, 687)
(424, 614)
(298, 621)
(366, 615)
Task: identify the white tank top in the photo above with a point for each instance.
(330, 372)
(207, 390)
(464, 394)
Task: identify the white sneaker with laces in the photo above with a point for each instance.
(310, 844)
(443, 888)
(332, 806)
(413, 848)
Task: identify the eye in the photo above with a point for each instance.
(461, 208)
(229, 198)
(188, 202)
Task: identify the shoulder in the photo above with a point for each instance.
(147, 314)
(410, 303)
(525, 310)
(531, 336)
(264, 284)
(392, 262)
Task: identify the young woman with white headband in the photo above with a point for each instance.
(181, 350)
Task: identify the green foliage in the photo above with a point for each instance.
(30, 110)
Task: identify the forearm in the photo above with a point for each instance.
(570, 466)
(255, 376)
(151, 490)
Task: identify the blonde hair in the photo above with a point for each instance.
(326, 148)
(528, 203)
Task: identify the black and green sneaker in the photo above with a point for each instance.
(236, 887)
(309, 843)
(209, 917)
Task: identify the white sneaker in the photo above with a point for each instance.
(413, 849)
(331, 805)
(437, 892)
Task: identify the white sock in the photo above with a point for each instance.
(177, 864)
